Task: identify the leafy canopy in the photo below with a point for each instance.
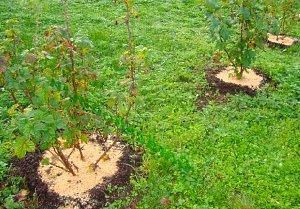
(237, 27)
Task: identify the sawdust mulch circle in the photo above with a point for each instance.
(218, 89)
(99, 195)
(224, 87)
(281, 40)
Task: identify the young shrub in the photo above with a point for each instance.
(134, 59)
(129, 57)
(288, 14)
(9, 55)
(48, 85)
(281, 15)
(237, 28)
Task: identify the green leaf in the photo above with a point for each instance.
(49, 138)
(22, 146)
(224, 33)
(111, 102)
(45, 161)
(212, 4)
(84, 137)
(245, 13)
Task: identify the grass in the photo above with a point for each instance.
(242, 154)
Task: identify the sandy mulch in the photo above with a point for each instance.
(282, 40)
(65, 184)
(250, 79)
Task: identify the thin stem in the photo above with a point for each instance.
(75, 166)
(283, 21)
(77, 146)
(226, 52)
(36, 41)
(65, 161)
(28, 95)
(239, 72)
(58, 167)
(71, 152)
(56, 156)
(94, 166)
(132, 62)
(70, 46)
(13, 96)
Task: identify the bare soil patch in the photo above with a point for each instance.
(281, 40)
(55, 188)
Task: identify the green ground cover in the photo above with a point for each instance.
(241, 154)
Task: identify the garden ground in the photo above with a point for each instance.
(240, 154)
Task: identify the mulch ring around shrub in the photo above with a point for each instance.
(225, 87)
(281, 41)
(100, 196)
(218, 89)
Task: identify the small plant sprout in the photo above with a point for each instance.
(134, 59)
(237, 28)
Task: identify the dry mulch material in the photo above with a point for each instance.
(100, 196)
(281, 40)
(218, 89)
(65, 184)
(224, 87)
(250, 78)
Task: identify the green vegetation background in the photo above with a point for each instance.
(242, 154)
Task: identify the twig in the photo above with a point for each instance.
(13, 96)
(66, 163)
(129, 165)
(71, 152)
(56, 156)
(57, 166)
(77, 146)
(94, 166)
(76, 167)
